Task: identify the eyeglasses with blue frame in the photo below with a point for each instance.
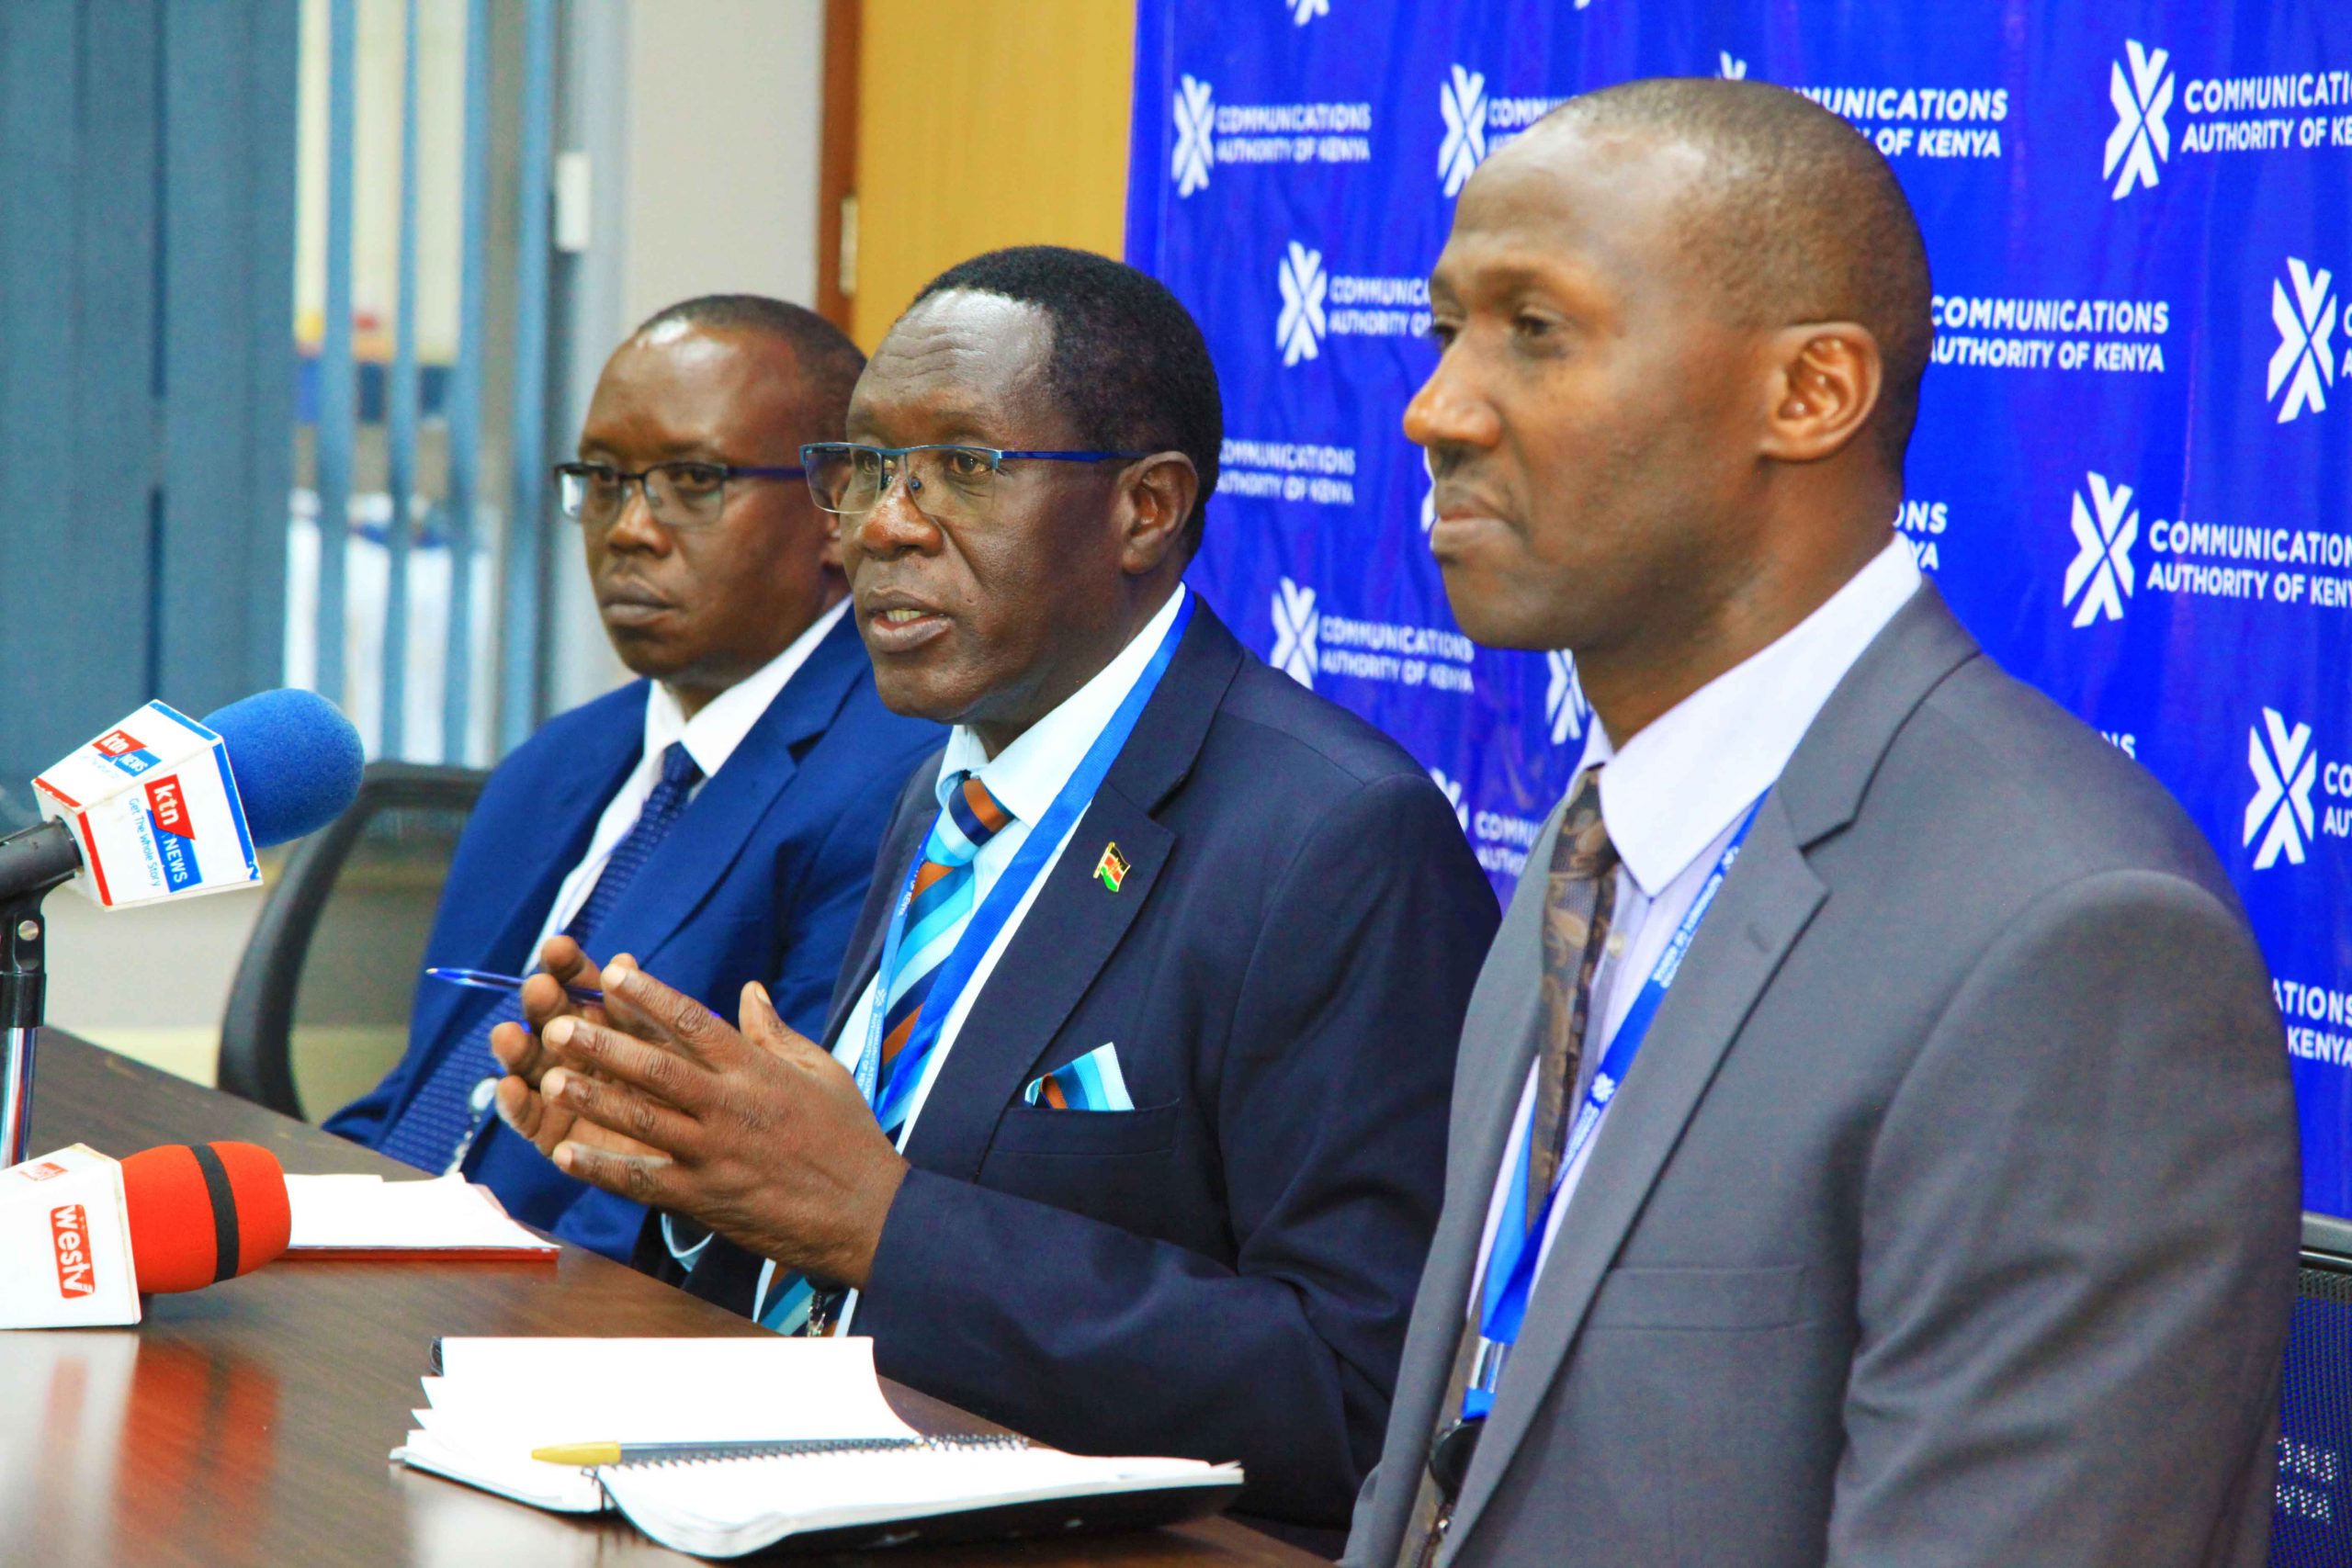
(946, 483)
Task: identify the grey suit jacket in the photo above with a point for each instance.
(1948, 1215)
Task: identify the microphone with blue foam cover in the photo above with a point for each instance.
(296, 760)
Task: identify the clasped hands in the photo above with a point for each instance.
(756, 1132)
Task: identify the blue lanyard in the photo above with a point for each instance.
(1518, 1246)
(1028, 862)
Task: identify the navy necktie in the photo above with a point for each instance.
(449, 1109)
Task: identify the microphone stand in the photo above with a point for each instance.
(32, 864)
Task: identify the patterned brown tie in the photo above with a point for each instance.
(1580, 898)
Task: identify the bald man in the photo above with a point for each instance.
(1872, 1142)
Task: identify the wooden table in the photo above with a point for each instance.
(248, 1424)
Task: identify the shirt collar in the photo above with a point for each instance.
(714, 732)
(1677, 784)
(1026, 775)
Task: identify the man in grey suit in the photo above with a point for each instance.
(1947, 1214)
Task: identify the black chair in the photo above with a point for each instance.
(2311, 1519)
(319, 1011)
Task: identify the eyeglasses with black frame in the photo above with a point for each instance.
(685, 494)
(946, 483)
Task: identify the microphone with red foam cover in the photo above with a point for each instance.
(203, 1212)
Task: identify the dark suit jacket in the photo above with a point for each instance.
(761, 879)
(1224, 1271)
(1948, 1215)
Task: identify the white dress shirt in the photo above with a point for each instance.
(710, 737)
(1025, 778)
(1670, 800)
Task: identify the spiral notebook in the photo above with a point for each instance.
(494, 1399)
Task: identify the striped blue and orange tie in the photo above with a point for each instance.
(938, 909)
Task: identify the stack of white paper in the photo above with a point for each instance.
(367, 1215)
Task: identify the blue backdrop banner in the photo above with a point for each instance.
(2132, 477)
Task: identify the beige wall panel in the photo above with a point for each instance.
(725, 103)
(984, 123)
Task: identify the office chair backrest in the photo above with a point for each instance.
(2310, 1521)
(319, 1011)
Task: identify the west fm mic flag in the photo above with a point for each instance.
(2132, 475)
(82, 1235)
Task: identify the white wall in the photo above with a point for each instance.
(702, 120)
(727, 113)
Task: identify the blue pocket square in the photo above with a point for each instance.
(1094, 1082)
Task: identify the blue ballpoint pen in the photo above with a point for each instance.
(484, 980)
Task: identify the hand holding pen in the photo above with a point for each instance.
(570, 986)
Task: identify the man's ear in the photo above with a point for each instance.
(1157, 496)
(1823, 385)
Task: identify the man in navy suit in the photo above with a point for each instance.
(1132, 1129)
(717, 819)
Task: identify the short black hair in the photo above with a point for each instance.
(829, 363)
(1802, 219)
(1128, 365)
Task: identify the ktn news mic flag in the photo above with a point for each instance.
(162, 807)
(155, 809)
(2132, 476)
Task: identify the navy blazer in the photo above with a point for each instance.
(761, 879)
(1225, 1270)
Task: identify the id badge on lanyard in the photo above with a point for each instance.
(1517, 1246)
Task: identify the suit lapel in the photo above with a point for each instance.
(1076, 923)
(531, 866)
(1765, 905)
(1497, 1043)
(697, 852)
(1498, 1040)
(574, 797)
(1080, 923)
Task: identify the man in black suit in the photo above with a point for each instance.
(1162, 1059)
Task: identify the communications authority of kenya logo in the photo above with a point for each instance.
(1195, 120)
(2140, 141)
(2305, 363)
(1299, 329)
(1295, 625)
(2284, 765)
(1462, 102)
(2101, 570)
(1564, 708)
